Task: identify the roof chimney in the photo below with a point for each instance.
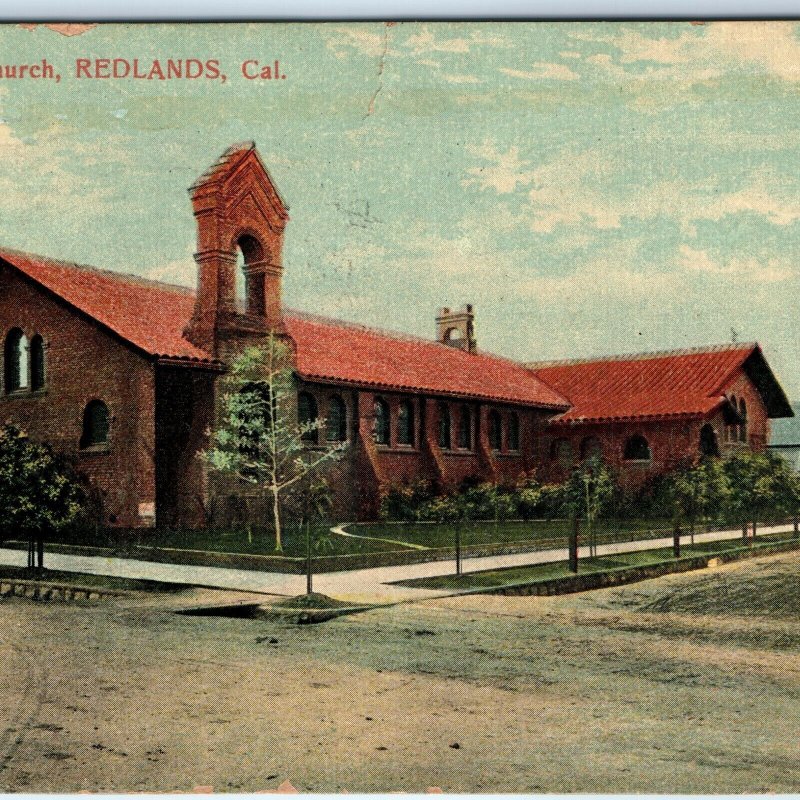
(456, 328)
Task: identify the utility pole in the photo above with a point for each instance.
(573, 545)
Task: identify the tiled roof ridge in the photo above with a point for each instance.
(125, 277)
(643, 356)
(389, 333)
(241, 148)
(309, 316)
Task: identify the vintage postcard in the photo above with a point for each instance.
(400, 407)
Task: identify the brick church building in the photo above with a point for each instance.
(122, 374)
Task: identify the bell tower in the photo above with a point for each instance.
(240, 222)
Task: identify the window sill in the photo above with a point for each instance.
(95, 450)
(400, 448)
(458, 452)
(23, 394)
(637, 462)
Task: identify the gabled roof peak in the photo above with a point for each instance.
(227, 164)
(224, 164)
(645, 356)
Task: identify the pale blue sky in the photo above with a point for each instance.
(591, 188)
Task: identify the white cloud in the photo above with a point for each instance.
(773, 270)
(579, 188)
(703, 52)
(45, 162)
(182, 272)
(461, 79)
(504, 172)
(425, 40)
(368, 40)
(543, 71)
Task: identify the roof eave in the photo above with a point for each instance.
(387, 387)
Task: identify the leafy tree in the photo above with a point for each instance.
(260, 440)
(761, 485)
(588, 493)
(696, 492)
(39, 491)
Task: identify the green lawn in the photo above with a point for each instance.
(560, 569)
(543, 534)
(377, 537)
(260, 542)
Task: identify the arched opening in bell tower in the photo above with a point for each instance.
(250, 276)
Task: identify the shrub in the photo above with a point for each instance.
(403, 501)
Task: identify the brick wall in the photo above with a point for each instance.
(83, 362)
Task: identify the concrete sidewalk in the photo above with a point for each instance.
(361, 586)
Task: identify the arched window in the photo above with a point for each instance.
(561, 452)
(590, 446)
(255, 409)
(249, 284)
(95, 424)
(381, 433)
(307, 415)
(336, 425)
(15, 359)
(405, 423)
(495, 430)
(732, 431)
(444, 426)
(37, 363)
(513, 432)
(465, 428)
(708, 441)
(743, 415)
(637, 449)
(452, 335)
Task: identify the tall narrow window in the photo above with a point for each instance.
(561, 452)
(444, 426)
(590, 447)
(495, 430)
(37, 363)
(16, 375)
(405, 423)
(513, 432)
(732, 431)
(637, 449)
(465, 428)
(336, 425)
(708, 441)
(381, 432)
(743, 415)
(307, 415)
(95, 424)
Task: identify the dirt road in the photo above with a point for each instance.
(683, 684)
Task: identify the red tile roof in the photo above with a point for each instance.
(152, 316)
(330, 350)
(681, 383)
(147, 314)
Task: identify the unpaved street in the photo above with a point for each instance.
(688, 683)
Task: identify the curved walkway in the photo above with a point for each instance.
(362, 585)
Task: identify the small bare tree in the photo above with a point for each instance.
(259, 439)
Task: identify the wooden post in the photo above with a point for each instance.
(309, 575)
(31, 560)
(458, 549)
(676, 541)
(754, 527)
(796, 528)
(573, 545)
